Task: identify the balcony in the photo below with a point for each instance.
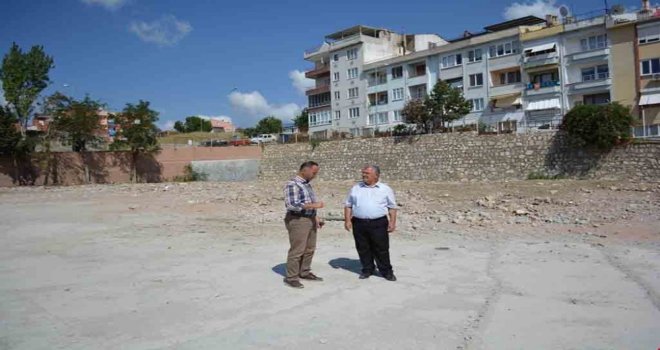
(503, 90)
(318, 90)
(599, 54)
(547, 87)
(589, 85)
(541, 60)
(318, 72)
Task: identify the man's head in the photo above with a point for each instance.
(370, 174)
(308, 170)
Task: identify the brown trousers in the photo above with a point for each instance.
(302, 237)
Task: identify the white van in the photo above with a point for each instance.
(264, 138)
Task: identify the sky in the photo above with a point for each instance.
(241, 60)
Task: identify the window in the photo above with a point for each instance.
(476, 80)
(335, 57)
(337, 115)
(319, 100)
(650, 67)
(337, 95)
(352, 54)
(397, 94)
(595, 73)
(319, 118)
(371, 120)
(377, 78)
(455, 83)
(597, 99)
(418, 91)
(452, 61)
(353, 92)
(504, 49)
(594, 42)
(510, 77)
(335, 76)
(477, 104)
(420, 69)
(352, 73)
(397, 72)
(354, 112)
(397, 116)
(382, 118)
(649, 34)
(474, 55)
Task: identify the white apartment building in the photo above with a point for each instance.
(338, 102)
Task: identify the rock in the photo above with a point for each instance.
(521, 212)
(553, 192)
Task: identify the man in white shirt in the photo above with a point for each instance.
(370, 211)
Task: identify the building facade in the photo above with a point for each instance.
(521, 75)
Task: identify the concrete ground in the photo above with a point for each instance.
(83, 270)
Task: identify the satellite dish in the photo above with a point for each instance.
(563, 11)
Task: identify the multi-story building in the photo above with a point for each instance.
(339, 102)
(519, 75)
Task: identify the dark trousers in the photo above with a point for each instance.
(372, 242)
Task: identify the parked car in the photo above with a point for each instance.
(264, 138)
(214, 143)
(237, 141)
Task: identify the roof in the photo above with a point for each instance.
(358, 29)
(523, 21)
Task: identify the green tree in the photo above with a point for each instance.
(9, 134)
(599, 126)
(193, 124)
(137, 133)
(415, 112)
(302, 121)
(269, 125)
(445, 104)
(77, 123)
(24, 76)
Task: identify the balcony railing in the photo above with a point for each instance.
(541, 60)
(545, 84)
(592, 77)
(318, 90)
(318, 71)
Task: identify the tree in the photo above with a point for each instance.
(415, 112)
(445, 104)
(9, 134)
(193, 124)
(269, 125)
(76, 124)
(599, 126)
(24, 76)
(137, 133)
(302, 121)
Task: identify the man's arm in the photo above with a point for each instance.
(348, 215)
(392, 222)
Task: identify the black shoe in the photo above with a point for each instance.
(294, 284)
(365, 275)
(390, 277)
(312, 277)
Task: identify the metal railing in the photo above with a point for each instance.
(545, 84)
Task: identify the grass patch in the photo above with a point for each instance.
(541, 176)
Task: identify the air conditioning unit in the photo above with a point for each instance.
(656, 76)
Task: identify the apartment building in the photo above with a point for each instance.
(339, 102)
(520, 75)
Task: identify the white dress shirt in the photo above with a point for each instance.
(370, 202)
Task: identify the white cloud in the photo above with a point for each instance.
(299, 81)
(167, 125)
(538, 8)
(108, 4)
(216, 117)
(166, 31)
(255, 107)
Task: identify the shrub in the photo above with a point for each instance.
(599, 126)
(190, 175)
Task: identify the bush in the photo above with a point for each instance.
(599, 126)
(542, 176)
(190, 175)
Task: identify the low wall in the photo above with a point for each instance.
(464, 157)
(67, 168)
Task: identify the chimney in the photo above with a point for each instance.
(551, 20)
(467, 34)
(646, 7)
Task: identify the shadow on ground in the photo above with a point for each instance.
(352, 265)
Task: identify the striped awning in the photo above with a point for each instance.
(649, 99)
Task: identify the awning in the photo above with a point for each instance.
(506, 100)
(649, 99)
(552, 103)
(517, 116)
(540, 48)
